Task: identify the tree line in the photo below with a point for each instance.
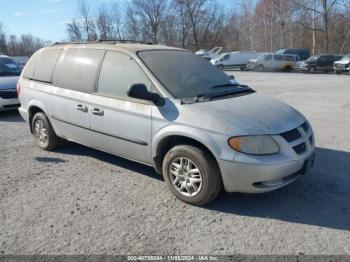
(323, 26)
(24, 45)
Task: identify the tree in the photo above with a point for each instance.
(150, 15)
(74, 31)
(104, 23)
(3, 40)
(87, 23)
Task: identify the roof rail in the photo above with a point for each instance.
(109, 41)
(124, 41)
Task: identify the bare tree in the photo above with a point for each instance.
(150, 14)
(74, 31)
(104, 23)
(3, 40)
(87, 22)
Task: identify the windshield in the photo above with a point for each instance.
(8, 67)
(346, 58)
(261, 57)
(312, 58)
(186, 75)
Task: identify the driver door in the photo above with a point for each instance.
(121, 125)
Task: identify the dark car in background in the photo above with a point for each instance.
(9, 72)
(303, 53)
(323, 63)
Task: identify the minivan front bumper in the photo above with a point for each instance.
(252, 178)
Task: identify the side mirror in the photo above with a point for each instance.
(140, 91)
(232, 77)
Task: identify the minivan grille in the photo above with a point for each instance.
(299, 149)
(293, 135)
(8, 94)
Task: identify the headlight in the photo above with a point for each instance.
(254, 145)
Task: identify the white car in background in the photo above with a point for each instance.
(9, 72)
(209, 54)
(234, 60)
(342, 65)
(273, 62)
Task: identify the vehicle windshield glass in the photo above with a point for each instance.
(345, 58)
(186, 75)
(261, 57)
(9, 67)
(312, 58)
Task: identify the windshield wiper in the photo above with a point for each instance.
(230, 85)
(233, 92)
(225, 85)
(195, 99)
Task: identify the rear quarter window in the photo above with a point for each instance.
(42, 64)
(77, 69)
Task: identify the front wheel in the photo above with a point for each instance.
(260, 68)
(312, 69)
(192, 175)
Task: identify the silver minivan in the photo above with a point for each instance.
(167, 108)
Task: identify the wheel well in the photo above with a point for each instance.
(32, 111)
(169, 142)
(288, 68)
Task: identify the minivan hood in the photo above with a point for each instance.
(253, 114)
(8, 82)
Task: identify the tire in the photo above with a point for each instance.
(44, 135)
(260, 68)
(312, 69)
(208, 171)
(288, 69)
(337, 72)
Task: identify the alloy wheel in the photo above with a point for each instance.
(40, 132)
(185, 176)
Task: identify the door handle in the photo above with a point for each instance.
(82, 108)
(97, 111)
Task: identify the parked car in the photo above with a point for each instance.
(273, 62)
(303, 53)
(9, 72)
(209, 54)
(167, 108)
(342, 65)
(234, 60)
(299, 66)
(320, 63)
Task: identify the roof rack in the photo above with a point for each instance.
(109, 41)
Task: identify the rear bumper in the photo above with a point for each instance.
(249, 178)
(24, 113)
(9, 104)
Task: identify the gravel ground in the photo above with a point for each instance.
(78, 200)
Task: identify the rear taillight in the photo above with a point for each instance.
(18, 88)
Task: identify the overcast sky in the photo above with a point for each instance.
(46, 18)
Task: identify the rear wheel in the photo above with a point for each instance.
(43, 132)
(260, 68)
(192, 175)
(288, 68)
(312, 69)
